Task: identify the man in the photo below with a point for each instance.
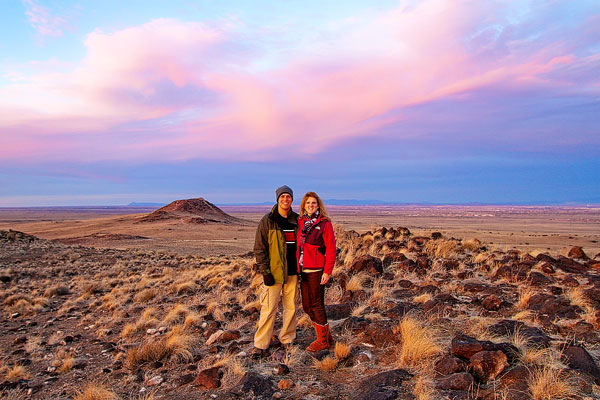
(275, 252)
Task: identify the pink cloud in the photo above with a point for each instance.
(43, 20)
(176, 90)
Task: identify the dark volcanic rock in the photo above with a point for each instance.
(515, 383)
(577, 357)
(209, 378)
(567, 265)
(467, 346)
(450, 365)
(394, 257)
(385, 385)
(378, 334)
(257, 384)
(507, 327)
(338, 311)
(370, 264)
(552, 306)
(487, 365)
(458, 381)
(491, 303)
(538, 279)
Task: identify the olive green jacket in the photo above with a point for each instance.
(270, 249)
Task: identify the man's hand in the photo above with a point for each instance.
(268, 279)
(324, 279)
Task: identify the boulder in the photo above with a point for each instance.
(449, 365)
(515, 383)
(338, 311)
(367, 263)
(491, 303)
(256, 384)
(209, 378)
(571, 266)
(487, 365)
(457, 381)
(507, 327)
(385, 385)
(392, 258)
(538, 279)
(577, 357)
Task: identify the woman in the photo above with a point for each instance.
(316, 257)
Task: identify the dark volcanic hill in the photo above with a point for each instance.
(195, 211)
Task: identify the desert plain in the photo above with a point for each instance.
(426, 302)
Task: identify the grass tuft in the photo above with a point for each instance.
(326, 364)
(548, 383)
(420, 343)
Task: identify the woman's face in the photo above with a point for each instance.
(311, 205)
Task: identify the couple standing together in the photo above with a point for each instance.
(291, 248)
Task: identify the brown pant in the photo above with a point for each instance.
(313, 297)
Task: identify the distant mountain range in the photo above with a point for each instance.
(371, 202)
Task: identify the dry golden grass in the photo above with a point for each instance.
(547, 383)
(145, 295)
(419, 343)
(342, 350)
(524, 297)
(305, 321)
(357, 281)
(380, 292)
(16, 372)
(326, 364)
(479, 328)
(95, 391)
(184, 287)
(292, 356)
(15, 298)
(470, 244)
(192, 319)
(176, 315)
(146, 320)
(254, 304)
(233, 369)
(181, 345)
(359, 310)
(577, 297)
(443, 248)
(423, 298)
(524, 315)
(334, 294)
(480, 258)
(425, 388)
(147, 352)
(66, 365)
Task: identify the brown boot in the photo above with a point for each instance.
(322, 341)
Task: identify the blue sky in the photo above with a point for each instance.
(105, 102)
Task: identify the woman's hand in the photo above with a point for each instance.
(324, 278)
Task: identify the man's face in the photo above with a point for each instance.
(285, 201)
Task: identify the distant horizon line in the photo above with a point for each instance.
(331, 202)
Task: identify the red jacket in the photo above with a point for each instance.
(319, 247)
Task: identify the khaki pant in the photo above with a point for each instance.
(269, 303)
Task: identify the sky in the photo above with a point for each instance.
(106, 102)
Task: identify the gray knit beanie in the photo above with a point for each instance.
(284, 189)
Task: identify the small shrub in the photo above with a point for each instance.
(95, 391)
(342, 351)
(326, 364)
(419, 343)
(547, 383)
